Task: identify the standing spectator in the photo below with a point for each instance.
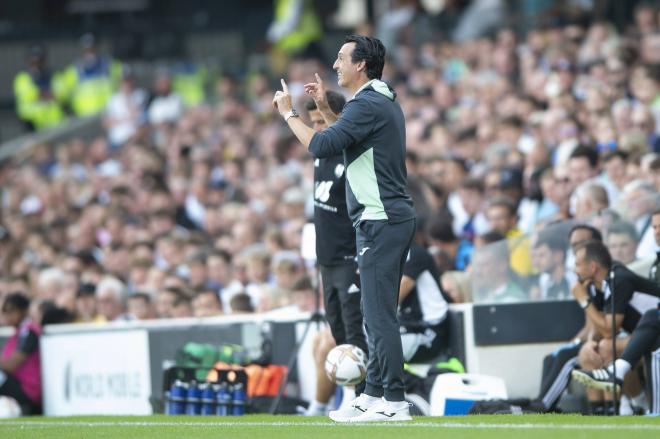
(125, 111)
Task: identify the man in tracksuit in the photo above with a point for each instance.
(335, 251)
(371, 134)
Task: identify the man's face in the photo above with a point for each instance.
(544, 259)
(622, 247)
(655, 223)
(318, 123)
(579, 170)
(584, 269)
(500, 219)
(346, 70)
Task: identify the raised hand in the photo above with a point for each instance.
(282, 99)
(317, 91)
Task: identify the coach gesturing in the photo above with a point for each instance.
(371, 134)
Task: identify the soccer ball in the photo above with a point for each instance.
(346, 365)
(9, 408)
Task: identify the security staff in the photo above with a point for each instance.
(36, 91)
(91, 81)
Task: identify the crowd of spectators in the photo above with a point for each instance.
(199, 211)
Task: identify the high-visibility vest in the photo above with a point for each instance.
(309, 26)
(30, 107)
(190, 86)
(89, 93)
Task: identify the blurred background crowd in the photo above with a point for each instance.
(192, 199)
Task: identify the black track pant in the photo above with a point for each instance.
(341, 294)
(382, 251)
(557, 368)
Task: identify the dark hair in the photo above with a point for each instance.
(586, 152)
(54, 315)
(441, 230)
(610, 155)
(505, 202)
(473, 184)
(623, 228)
(554, 242)
(491, 237)
(595, 233)
(241, 302)
(336, 101)
(596, 251)
(302, 283)
(16, 301)
(145, 297)
(371, 50)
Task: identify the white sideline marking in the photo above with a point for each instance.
(446, 425)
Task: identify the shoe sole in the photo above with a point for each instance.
(592, 383)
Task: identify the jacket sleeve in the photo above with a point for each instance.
(353, 126)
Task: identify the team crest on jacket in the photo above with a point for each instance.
(339, 170)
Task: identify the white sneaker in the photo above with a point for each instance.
(356, 408)
(385, 411)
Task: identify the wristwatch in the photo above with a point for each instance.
(585, 303)
(290, 114)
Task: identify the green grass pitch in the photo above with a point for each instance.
(265, 426)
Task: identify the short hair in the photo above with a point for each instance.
(473, 184)
(336, 101)
(302, 283)
(371, 51)
(113, 284)
(595, 233)
(623, 228)
(610, 155)
(441, 230)
(552, 240)
(241, 302)
(140, 296)
(17, 301)
(594, 192)
(505, 202)
(491, 237)
(582, 151)
(655, 212)
(596, 251)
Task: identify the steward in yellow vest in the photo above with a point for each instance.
(36, 91)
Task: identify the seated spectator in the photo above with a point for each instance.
(110, 297)
(140, 306)
(502, 215)
(459, 251)
(206, 303)
(20, 368)
(241, 303)
(182, 307)
(87, 305)
(622, 242)
(555, 281)
(492, 279)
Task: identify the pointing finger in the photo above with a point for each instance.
(318, 78)
(285, 88)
